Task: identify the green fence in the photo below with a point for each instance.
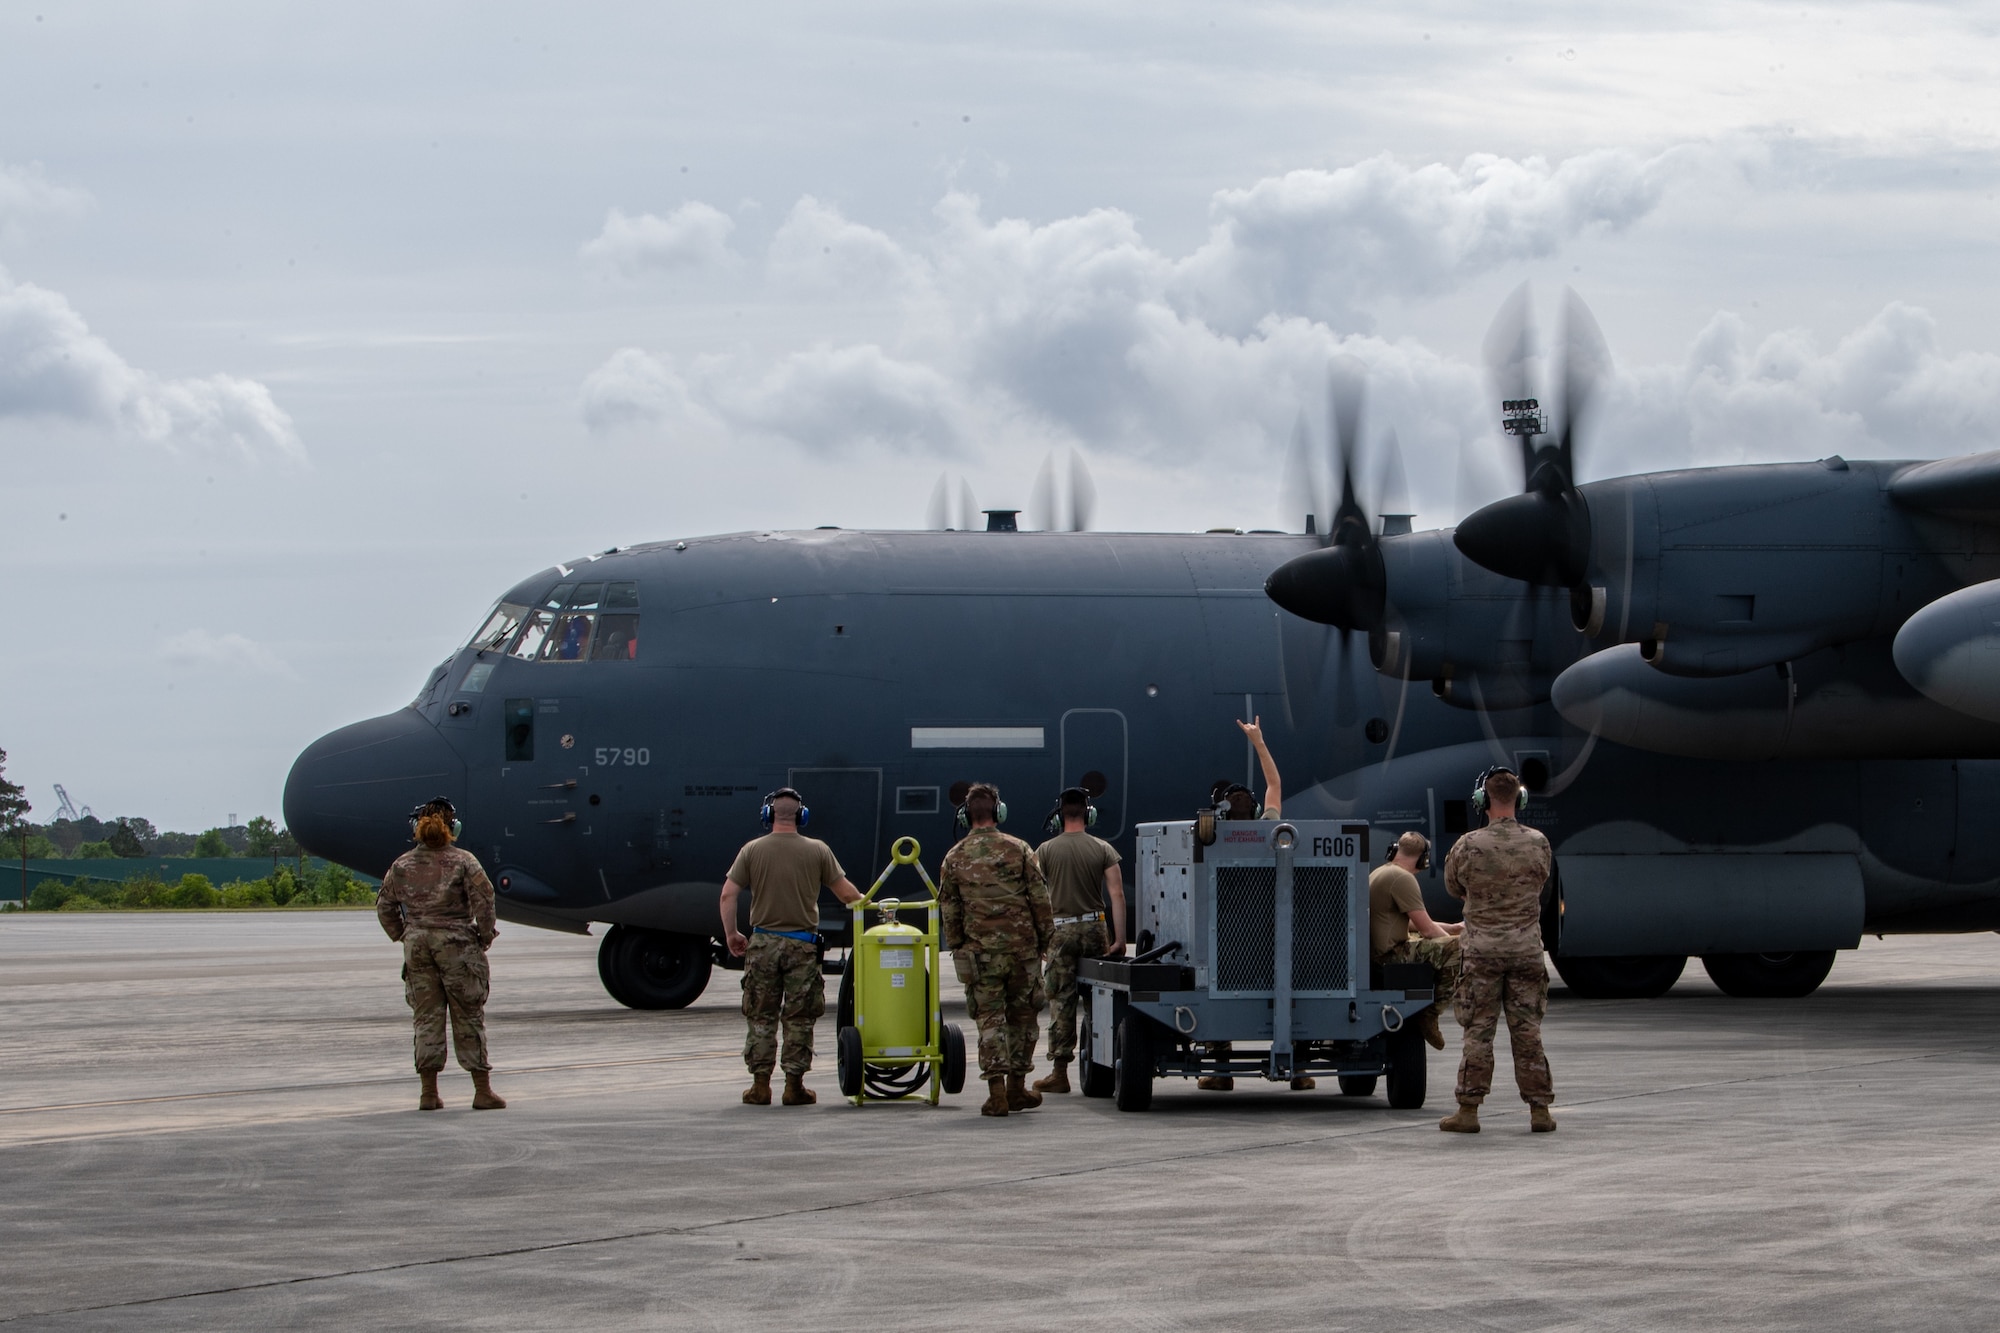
(220, 870)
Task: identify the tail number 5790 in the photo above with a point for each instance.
(631, 757)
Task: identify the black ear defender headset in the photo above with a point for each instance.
(765, 813)
(1396, 844)
(1219, 795)
(1070, 796)
(1479, 788)
(999, 808)
(443, 806)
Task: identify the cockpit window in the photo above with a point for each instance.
(617, 639)
(571, 640)
(622, 596)
(558, 595)
(533, 635)
(499, 626)
(586, 596)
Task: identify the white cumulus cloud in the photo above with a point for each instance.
(693, 236)
(52, 365)
(27, 196)
(227, 652)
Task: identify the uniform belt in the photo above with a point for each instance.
(809, 936)
(1072, 920)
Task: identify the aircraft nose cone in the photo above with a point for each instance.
(348, 793)
(1331, 586)
(1533, 537)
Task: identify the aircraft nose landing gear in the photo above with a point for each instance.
(653, 969)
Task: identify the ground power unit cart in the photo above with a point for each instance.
(1254, 934)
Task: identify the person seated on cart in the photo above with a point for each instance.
(1233, 800)
(1400, 930)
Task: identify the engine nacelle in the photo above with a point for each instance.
(1950, 650)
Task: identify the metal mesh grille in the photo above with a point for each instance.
(1320, 916)
(1245, 917)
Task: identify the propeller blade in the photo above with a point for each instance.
(1392, 487)
(968, 508)
(1511, 360)
(1297, 494)
(1082, 494)
(1042, 496)
(1346, 386)
(1586, 365)
(937, 514)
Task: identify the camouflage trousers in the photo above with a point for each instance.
(1519, 988)
(1072, 943)
(781, 983)
(1004, 995)
(1444, 957)
(444, 974)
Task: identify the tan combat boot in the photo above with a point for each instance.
(1303, 1084)
(1057, 1081)
(1540, 1121)
(796, 1091)
(1427, 1023)
(996, 1097)
(483, 1096)
(1020, 1097)
(429, 1100)
(1216, 1083)
(1463, 1121)
(759, 1091)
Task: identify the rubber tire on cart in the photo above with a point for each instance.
(848, 1062)
(1357, 1085)
(1093, 1079)
(1768, 976)
(1407, 1066)
(1132, 1064)
(1634, 977)
(952, 1072)
(843, 1004)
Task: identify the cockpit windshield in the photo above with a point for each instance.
(576, 622)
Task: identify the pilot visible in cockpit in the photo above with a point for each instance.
(1233, 800)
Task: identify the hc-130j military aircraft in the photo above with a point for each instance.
(1753, 703)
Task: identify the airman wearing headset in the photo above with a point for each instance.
(784, 871)
(1233, 800)
(1400, 930)
(438, 904)
(1082, 871)
(1500, 871)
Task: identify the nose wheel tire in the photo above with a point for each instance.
(653, 969)
(1635, 977)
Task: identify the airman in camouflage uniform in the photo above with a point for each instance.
(1499, 872)
(1087, 893)
(998, 924)
(437, 902)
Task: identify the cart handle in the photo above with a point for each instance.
(903, 853)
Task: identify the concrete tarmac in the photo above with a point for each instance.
(207, 1122)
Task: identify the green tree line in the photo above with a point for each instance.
(321, 886)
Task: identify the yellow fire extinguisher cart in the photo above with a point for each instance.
(893, 1039)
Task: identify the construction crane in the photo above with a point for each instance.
(66, 810)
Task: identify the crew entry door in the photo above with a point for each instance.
(1095, 756)
(846, 805)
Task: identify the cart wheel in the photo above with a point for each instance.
(843, 1005)
(953, 1073)
(1406, 1067)
(849, 1062)
(1094, 1079)
(1132, 1072)
(1357, 1085)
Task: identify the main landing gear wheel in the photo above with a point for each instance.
(1768, 976)
(1407, 1067)
(1357, 1085)
(1632, 977)
(653, 969)
(1132, 1067)
(1094, 1079)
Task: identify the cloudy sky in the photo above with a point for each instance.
(318, 328)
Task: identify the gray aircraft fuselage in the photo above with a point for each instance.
(874, 670)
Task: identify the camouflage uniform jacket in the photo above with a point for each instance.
(436, 888)
(992, 896)
(1499, 872)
